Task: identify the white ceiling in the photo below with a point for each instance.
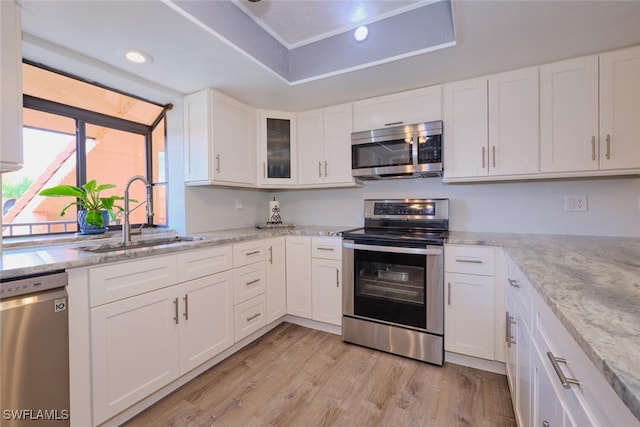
(491, 36)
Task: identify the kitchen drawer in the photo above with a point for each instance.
(203, 262)
(326, 248)
(519, 286)
(248, 282)
(113, 282)
(248, 252)
(593, 402)
(250, 316)
(469, 259)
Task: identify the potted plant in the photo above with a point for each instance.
(95, 211)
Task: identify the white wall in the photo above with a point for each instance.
(523, 207)
(214, 208)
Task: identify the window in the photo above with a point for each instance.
(73, 132)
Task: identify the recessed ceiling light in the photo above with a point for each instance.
(138, 57)
(361, 33)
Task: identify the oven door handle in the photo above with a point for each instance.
(393, 249)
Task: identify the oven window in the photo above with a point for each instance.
(429, 149)
(378, 154)
(390, 287)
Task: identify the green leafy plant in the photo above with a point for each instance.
(87, 197)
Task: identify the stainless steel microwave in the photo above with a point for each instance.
(398, 152)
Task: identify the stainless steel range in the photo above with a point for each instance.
(393, 276)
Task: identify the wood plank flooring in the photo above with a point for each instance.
(295, 376)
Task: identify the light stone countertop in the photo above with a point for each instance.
(592, 284)
(22, 257)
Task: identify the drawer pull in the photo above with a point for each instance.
(250, 318)
(254, 281)
(545, 424)
(513, 283)
(323, 248)
(393, 123)
(252, 253)
(469, 261)
(555, 362)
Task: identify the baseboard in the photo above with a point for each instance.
(474, 362)
(313, 324)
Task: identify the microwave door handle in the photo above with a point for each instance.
(392, 249)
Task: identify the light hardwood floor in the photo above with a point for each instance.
(295, 376)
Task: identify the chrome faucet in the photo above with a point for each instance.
(126, 227)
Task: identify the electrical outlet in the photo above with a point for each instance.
(575, 203)
(239, 205)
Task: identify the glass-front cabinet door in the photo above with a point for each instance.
(277, 146)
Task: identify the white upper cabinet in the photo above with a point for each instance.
(403, 108)
(569, 115)
(465, 128)
(324, 142)
(589, 113)
(620, 109)
(491, 125)
(277, 147)
(219, 140)
(513, 123)
(11, 156)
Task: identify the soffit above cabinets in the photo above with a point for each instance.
(87, 38)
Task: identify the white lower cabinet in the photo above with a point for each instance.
(276, 277)
(471, 327)
(548, 410)
(536, 341)
(326, 290)
(135, 350)
(469, 315)
(206, 318)
(298, 250)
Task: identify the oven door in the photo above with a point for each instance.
(392, 284)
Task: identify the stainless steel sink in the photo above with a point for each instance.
(137, 244)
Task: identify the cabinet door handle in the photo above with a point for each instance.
(393, 123)
(250, 318)
(555, 362)
(252, 282)
(252, 253)
(493, 149)
(186, 306)
(175, 303)
(483, 157)
(593, 148)
(469, 261)
(545, 423)
(608, 140)
(218, 163)
(326, 167)
(270, 254)
(264, 170)
(513, 283)
(337, 277)
(319, 169)
(448, 293)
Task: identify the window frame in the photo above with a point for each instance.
(83, 117)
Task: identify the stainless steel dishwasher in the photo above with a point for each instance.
(34, 352)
